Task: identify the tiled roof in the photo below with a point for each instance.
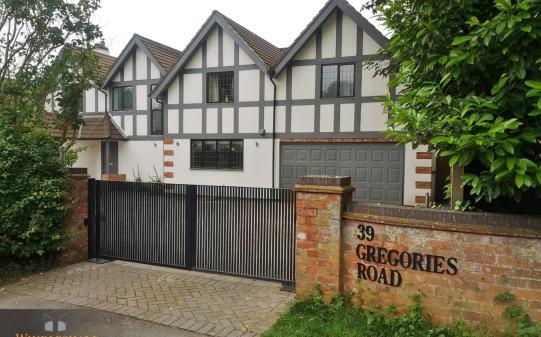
(165, 55)
(93, 128)
(105, 62)
(266, 51)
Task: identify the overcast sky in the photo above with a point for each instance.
(175, 22)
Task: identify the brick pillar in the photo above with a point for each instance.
(76, 244)
(321, 200)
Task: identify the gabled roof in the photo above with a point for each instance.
(105, 62)
(161, 55)
(319, 19)
(165, 55)
(267, 52)
(262, 52)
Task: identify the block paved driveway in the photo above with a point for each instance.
(207, 304)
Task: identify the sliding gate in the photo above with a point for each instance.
(232, 230)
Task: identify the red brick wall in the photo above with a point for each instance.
(488, 265)
(113, 177)
(460, 261)
(76, 245)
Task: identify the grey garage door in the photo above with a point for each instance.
(376, 169)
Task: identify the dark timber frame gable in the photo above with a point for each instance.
(314, 26)
(218, 19)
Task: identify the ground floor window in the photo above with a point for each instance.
(217, 154)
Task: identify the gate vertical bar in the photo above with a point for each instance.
(97, 216)
(191, 225)
(91, 220)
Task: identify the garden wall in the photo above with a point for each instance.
(459, 262)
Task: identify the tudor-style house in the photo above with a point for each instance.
(233, 109)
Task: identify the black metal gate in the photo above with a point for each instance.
(232, 230)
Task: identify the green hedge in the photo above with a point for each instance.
(33, 196)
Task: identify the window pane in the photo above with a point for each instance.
(213, 92)
(127, 98)
(117, 98)
(226, 87)
(223, 153)
(236, 154)
(197, 154)
(220, 87)
(329, 81)
(209, 150)
(156, 122)
(347, 80)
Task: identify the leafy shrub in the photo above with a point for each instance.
(33, 197)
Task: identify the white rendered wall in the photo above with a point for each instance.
(328, 37)
(302, 118)
(228, 50)
(143, 154)
(101, 101)
(303, 82)
(128, 69)
(349, 36)
(172, 120)
(370, 47)
(212, 120)
(257, 171)
(173, 92)
(141, 93)
(249, 120)
(154, 71)
(192, 121)
(373, 117)
(90, 97)
(140, 64)
(326, 118)
(308, 52)
(212, 48)
(280, 118)
(249, 85)
(244, 59)
(372, 84)
(142, 125)
(228, 120)
(193, 88)
(89, 157)
(196, 61)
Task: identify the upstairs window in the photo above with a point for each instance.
(337, 80)
(122, 98)
(217, 154)
(156, 115)
(220, 87)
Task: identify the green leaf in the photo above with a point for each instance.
(501, 83)
(533, 84)
(519, 181)
(510, 163)
(508, 147)
(527, 29)
(538, 175)
(461, 39)
(497, 164)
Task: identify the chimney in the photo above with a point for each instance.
(101, 48)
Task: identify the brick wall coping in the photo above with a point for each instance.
(78, 176)
(466, 222)
(324, 184)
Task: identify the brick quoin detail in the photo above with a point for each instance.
(425, 185)
(424, 155)
(168, 163)
(168, 141)
(168, 175)
(420, 199)
(423, 170)
(168, 153)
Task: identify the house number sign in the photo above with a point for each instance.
(389, 259)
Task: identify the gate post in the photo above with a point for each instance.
(191, 225)
(91, 218)
(320, 202)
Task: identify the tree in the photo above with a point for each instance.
(470, 78)
(44, 52)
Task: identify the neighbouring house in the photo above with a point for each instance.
(233, 109)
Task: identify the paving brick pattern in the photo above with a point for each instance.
(209, 304)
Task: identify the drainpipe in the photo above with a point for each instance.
(271, 74)
(108, 126)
